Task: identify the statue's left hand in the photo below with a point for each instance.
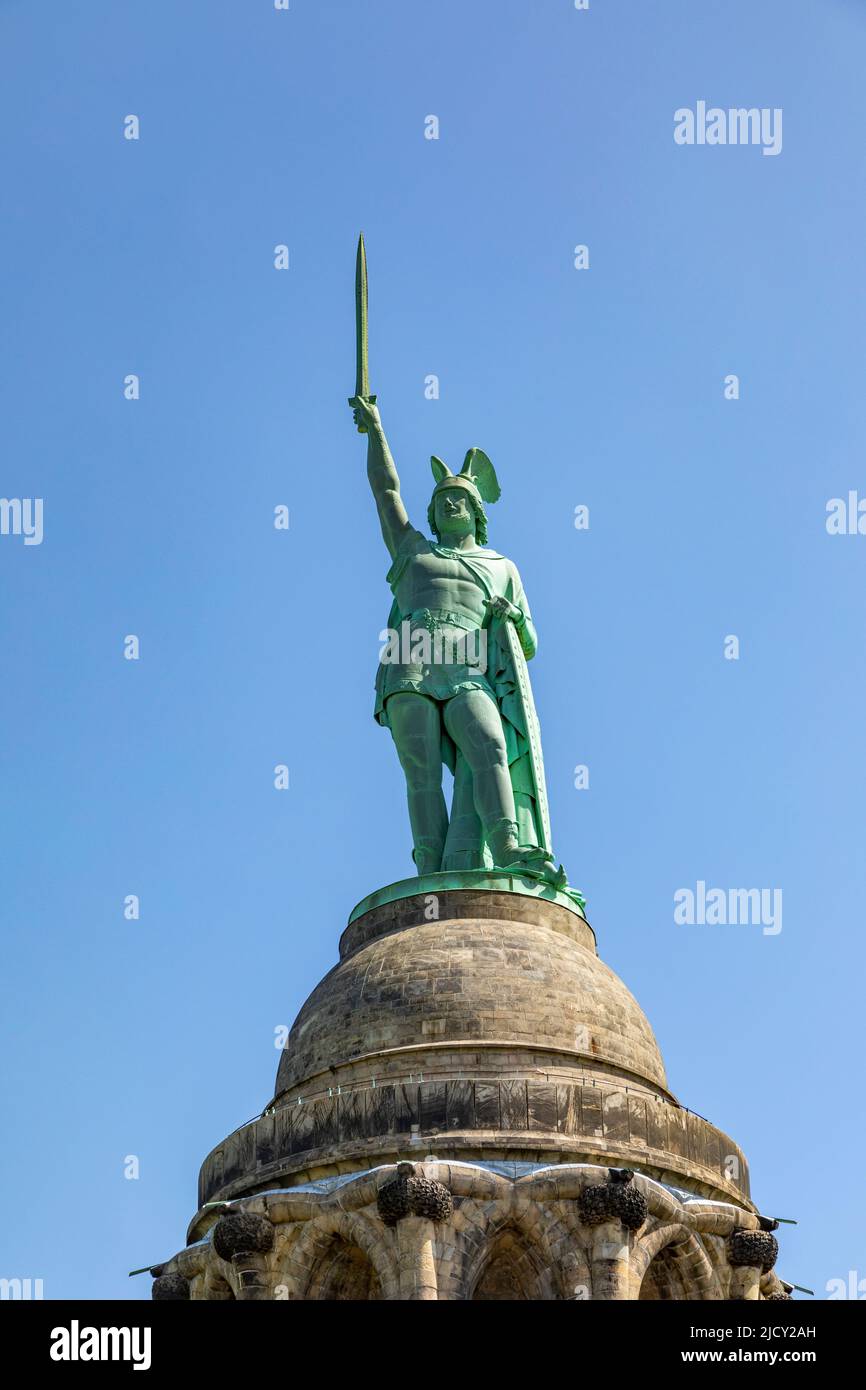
(501, 608)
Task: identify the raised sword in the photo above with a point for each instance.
(362, 374)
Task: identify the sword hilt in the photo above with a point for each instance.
(362, 429)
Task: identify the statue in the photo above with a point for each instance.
(452, 684)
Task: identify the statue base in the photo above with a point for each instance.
(470, 1070)
(529, 885)
(471, 1021)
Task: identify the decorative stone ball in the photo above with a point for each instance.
(393, 1199)
(170, 1288)
(758, 1249)
(594, 1204)
(431, 1199)
(242, 1233)
(409, 1194)
(627, 1201)
(617, 1198)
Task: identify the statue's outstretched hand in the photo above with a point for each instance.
(365, 413)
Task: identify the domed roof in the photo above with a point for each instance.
(516, 984)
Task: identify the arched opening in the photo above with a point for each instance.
(344, 1273)
(512, 1272)
(663, 1280)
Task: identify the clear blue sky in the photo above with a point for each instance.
(601, 387)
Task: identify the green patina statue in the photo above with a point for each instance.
(452, 684)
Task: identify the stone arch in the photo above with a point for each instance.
(715, 1247)
(510, 1251)
(571, 1249)
(512, 1270)
(343, 1272)
(671, 1265)
(340, 1256)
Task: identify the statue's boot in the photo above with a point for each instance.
(427, 855)
(508, 853)
(428, 817)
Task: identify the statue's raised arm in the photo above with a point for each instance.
(382, 473)
(380, 465)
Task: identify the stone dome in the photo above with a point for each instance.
(516, 984)
(479, 1024)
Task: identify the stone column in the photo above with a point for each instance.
(616, 1208)
(751, 1254)
(611, 1260)
(413, 1204)
(417, 1268)
(245, 1241)
(745, 1283)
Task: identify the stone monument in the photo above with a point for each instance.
(470, 1105)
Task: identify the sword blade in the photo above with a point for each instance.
(362, 377)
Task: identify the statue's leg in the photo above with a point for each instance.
(414, 721)
(464, 847)
(475, 724)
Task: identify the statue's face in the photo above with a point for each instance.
(454, 514)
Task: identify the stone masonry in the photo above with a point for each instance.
(472, 1106)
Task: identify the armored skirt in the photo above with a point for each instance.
(435, 653)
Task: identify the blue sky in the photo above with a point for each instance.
(602, 387)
